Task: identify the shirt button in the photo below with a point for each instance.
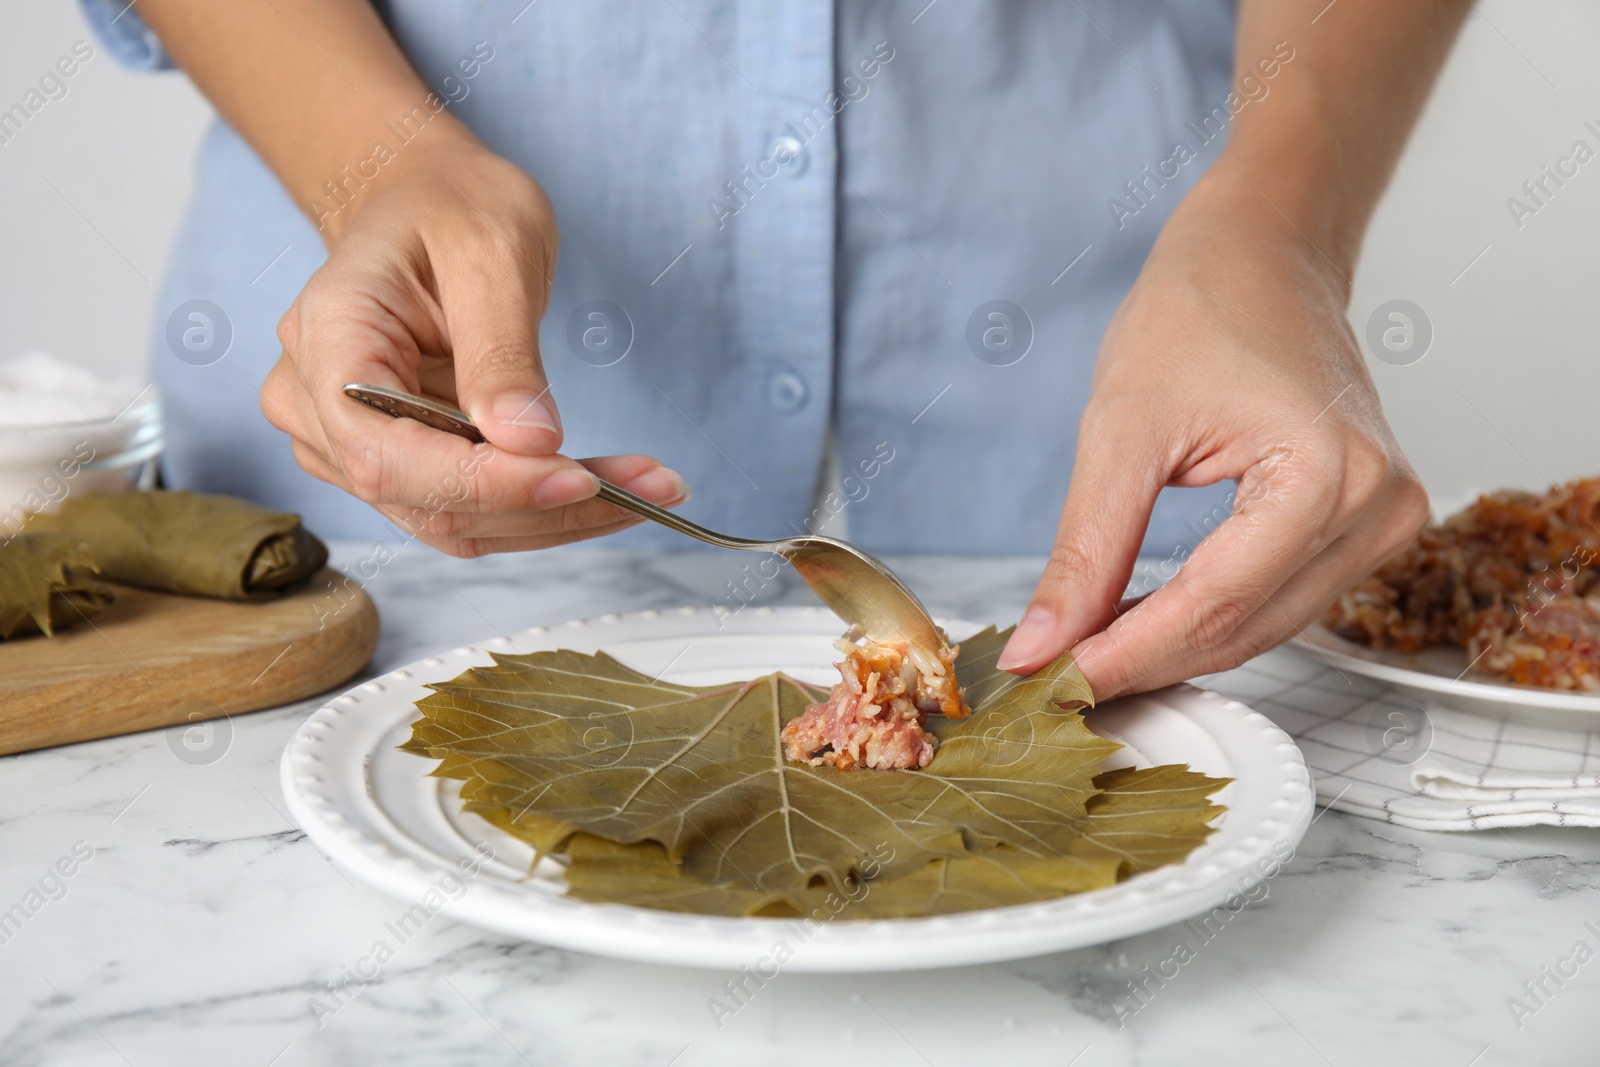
(787, 391)
(789, 153)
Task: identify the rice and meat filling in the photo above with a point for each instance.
(874, 716)
(1514, 578)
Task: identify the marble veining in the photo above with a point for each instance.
(205, 928)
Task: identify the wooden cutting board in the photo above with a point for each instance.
(154, 659)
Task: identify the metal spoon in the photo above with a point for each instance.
(860, 589)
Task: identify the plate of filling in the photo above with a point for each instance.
(1497, 608)
(749, 790)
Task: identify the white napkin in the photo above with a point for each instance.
(1377, 752)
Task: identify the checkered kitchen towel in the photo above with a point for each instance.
(1377, 752)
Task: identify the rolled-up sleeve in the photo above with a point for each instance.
(125, 35)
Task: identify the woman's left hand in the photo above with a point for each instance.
(1231, 358)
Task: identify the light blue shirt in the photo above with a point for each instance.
(808, 214)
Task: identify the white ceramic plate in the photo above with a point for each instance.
(1442, 675)
(378, 814)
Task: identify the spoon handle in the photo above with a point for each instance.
(441, 416)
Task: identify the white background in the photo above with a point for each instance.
(1507, 394)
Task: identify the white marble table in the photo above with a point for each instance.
(203, 921)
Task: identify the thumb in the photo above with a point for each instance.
(1108, 507)
(500, 379)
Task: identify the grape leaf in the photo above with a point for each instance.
(1149, 818)
(977, 667)
(559, 743)
(195, 544)
(1141, 820)
(45, 585)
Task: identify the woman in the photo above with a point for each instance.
(907, 226)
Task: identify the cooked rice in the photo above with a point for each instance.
(1515, 577)
(875, 714)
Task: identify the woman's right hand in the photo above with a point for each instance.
(437, 276)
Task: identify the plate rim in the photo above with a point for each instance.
(1323, 642)
(1142, 903)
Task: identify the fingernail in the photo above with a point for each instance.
(660, 486)
(1031, 639)
(565, 487)
(523, 409)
